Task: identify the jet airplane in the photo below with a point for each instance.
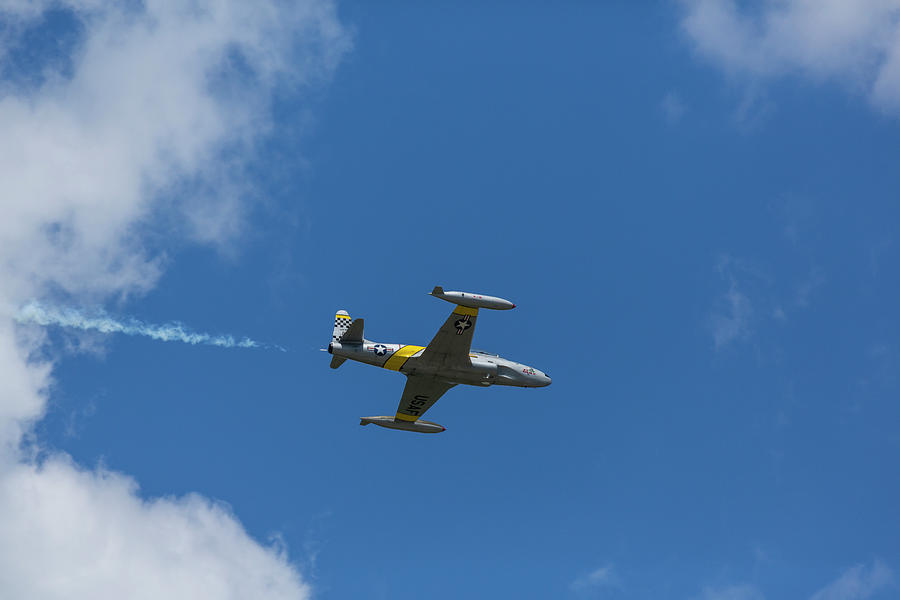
(433, 369)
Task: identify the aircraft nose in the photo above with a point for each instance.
(545, 380)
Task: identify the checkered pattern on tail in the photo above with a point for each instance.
(341, 324)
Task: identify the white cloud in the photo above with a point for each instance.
(71, 533)
(84, 159)
(857, 583)
(146, 123)
(855, 43)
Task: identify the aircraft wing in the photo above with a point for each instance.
(418, 396)
(450, 345)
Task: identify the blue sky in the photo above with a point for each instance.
(701, 239)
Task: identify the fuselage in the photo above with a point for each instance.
(482, 369)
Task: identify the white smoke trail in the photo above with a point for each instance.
(34, 312)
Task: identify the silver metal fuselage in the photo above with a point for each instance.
(482, 369)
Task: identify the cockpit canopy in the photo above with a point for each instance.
(485, 353)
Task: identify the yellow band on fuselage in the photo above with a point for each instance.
(341, 316)
(404, 417)
(400, 357)
(465, 310)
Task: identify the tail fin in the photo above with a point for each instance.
(341, 325)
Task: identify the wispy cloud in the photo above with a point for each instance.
(754, 299)
(855, 43)
(731, 322)
(733, 312)
(601, 577)
(805, 289)
(673, 107)
(742, 591)
(857, 583)
(98, 320)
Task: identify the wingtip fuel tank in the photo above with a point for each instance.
(472, 300)
(419, 426)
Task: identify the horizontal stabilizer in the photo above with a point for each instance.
(337, 361)
(354, 334)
